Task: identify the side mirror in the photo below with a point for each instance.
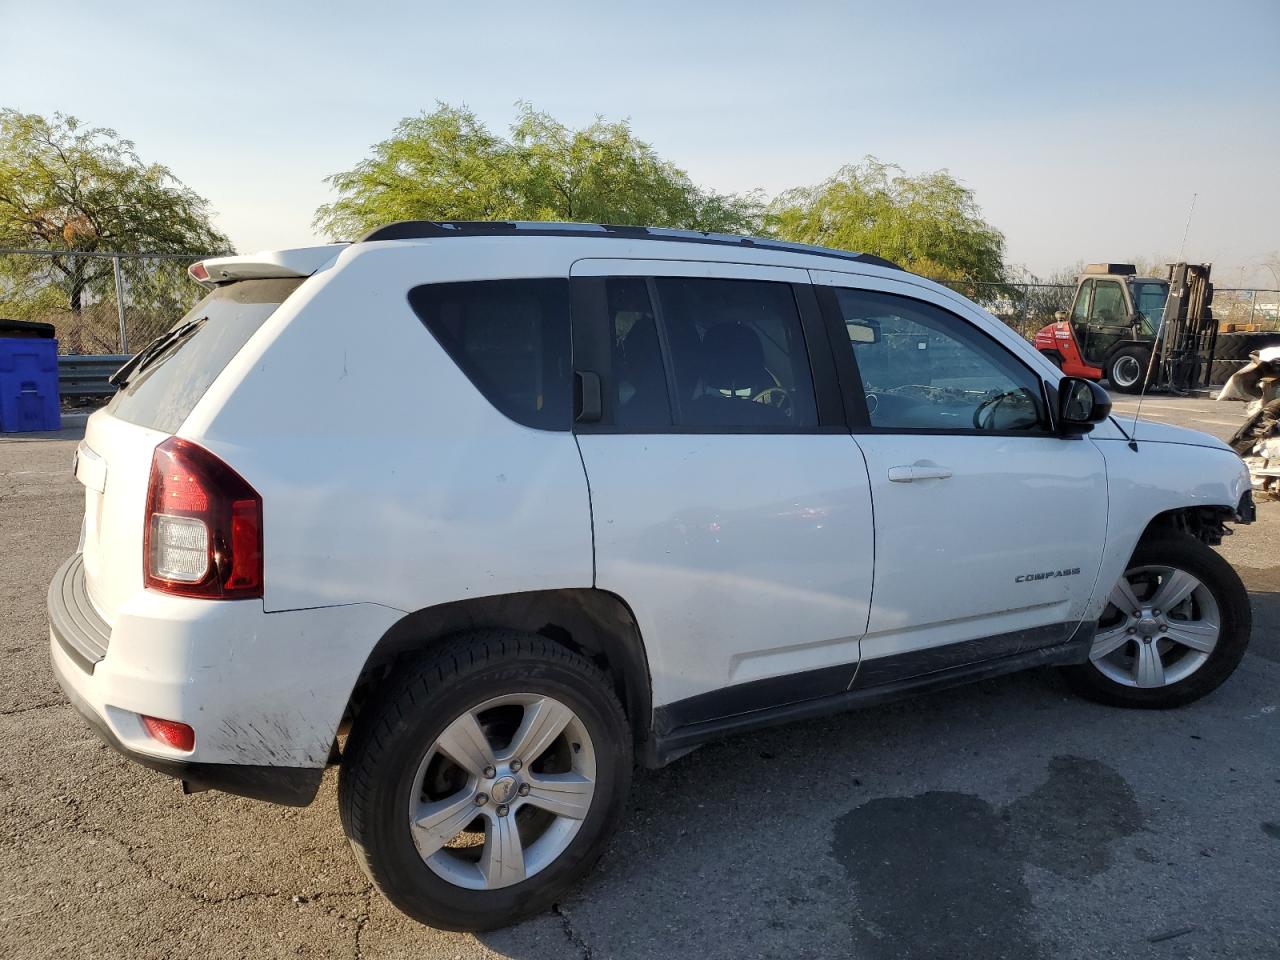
(1060, 316)
(1081, 404)
(863, 331)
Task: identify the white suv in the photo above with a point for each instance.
(518, 504)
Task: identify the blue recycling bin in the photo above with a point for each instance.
(29, 385)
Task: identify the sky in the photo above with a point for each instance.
(1084, 129)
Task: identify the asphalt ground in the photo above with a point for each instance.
(1002, 819)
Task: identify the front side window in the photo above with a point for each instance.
(737, 354)
(511, 339)
(1150, 296)
(923, 368)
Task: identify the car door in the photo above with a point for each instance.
(1108, 320)
(989, 527)
(1080, 315)
(730, 509)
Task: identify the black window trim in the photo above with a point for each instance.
(855, 394)
(589, 324)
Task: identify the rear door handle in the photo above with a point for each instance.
(918, 471)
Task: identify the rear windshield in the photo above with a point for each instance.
(165, 390)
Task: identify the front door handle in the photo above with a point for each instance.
(918, 471)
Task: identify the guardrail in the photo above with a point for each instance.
(86, 376)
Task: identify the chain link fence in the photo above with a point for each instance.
(1029, 306)
(113, 303)
(1024, 306)
(98, 303)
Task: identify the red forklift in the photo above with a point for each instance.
(1111, 328)
(1145, 331)
(1137, 331)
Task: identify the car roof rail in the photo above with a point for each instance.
(435, 229)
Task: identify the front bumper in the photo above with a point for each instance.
(263, 692)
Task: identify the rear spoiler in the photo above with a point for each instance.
(269, 264)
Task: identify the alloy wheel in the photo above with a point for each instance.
(502, 791)
(1159, 627)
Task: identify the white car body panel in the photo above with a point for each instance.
(762, 569)
(949, 552)
(115, 502)
(1139, 488)
(391, 480)
(391, 485)
(259, 689)
(765, 525)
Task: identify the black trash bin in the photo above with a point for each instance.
(25, 330)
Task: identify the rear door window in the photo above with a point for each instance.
(737, 354)
(164, 391)
(511, 339)
(641, 395)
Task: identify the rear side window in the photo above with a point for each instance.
(511, 339)
(163, 392)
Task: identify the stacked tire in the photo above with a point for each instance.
(1231, 352)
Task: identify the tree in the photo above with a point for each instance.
(929, 224)
(446, 165)
(68, 189)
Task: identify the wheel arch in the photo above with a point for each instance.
(1207, 523)
(594, 623)
(1144, 345)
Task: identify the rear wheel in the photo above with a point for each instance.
(486, 780)
(1053, 357)
(1127, 369)
(1175, 627)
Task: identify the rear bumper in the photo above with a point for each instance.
(263, 692)
(291, 786)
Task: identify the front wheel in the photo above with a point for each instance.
(485, 780)
(1175, 627)
(1127, 370)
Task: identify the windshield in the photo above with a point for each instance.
(179, 366)
(1149, 297)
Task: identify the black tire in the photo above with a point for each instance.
(1053, 357)
(1238, 346)
(1183, 552)
(1222, 371)
(1123, 358)
(394, 731)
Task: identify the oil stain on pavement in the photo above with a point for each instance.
(941, 873)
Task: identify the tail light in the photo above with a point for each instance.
(203, 529)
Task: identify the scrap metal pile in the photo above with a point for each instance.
(1258, 440)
